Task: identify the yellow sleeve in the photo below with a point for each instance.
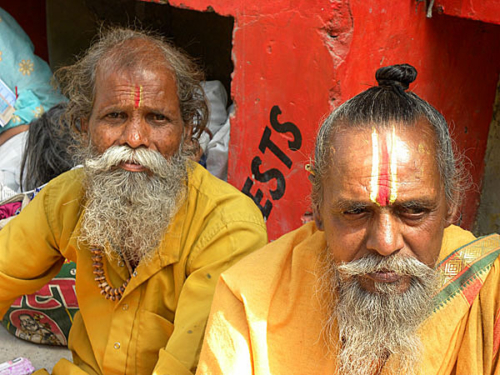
(29, 256)
(226, 348)
(213, 254)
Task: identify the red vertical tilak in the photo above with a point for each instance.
(137, 96)
(383, 179)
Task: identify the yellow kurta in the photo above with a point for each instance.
(157, 327)
(266, 318)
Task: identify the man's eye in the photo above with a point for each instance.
(115, 115)
(158, 117)
(355, 211)
(355, 214)
(413, 213)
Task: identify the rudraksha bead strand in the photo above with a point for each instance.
(114, 294)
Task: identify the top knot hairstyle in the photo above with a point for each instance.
(121, 48)
(380, 106)
(396, 76)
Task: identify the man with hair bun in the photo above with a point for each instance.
(381, 282)
(149, 229)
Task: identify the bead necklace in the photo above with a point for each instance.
(114, 294)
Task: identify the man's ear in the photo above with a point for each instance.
(191, 144)
(317, 218)
(452, 212)
(84, 124)
(188, 132)
(452, 215)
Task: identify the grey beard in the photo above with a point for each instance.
(128, 213)
(369, 327)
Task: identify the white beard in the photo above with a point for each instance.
(128, 213)
(373, 326)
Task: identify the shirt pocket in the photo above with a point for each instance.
(154, 333)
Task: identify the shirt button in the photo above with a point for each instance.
(121, 263)
(125, 307)
(117, 345)
(134, 274)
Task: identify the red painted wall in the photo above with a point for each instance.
(295, 60)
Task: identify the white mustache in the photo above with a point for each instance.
(115, 155)
(401, 265)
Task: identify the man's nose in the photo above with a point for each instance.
(384, 236)
(135, 134)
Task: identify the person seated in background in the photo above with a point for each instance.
(381, 282)
(25, 93)
(48, 149)
(149, 229)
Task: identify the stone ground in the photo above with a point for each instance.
(41, 356)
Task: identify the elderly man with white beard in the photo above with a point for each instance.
(381, 282)
(149, 229)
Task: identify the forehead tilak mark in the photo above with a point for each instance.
(137, 95)
(384, 169)
(394, 167)
(383, 174)
(375, 167)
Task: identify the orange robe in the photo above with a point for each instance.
(266, 317)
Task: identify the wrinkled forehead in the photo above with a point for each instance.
(135, 84)
(383, 157)
(350, 146)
